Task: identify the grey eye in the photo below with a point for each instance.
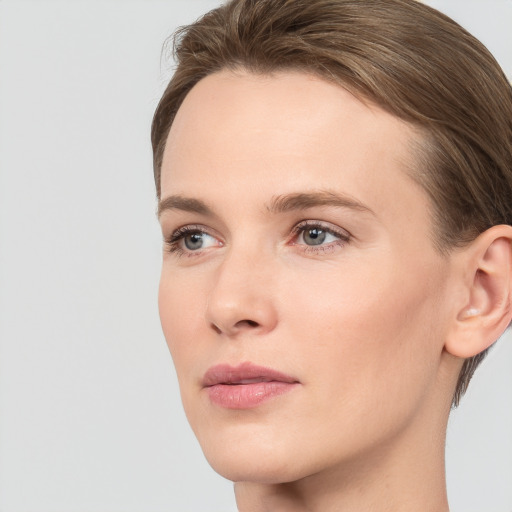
(314, 236)
(194, 241)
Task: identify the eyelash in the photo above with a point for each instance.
(343, 237)
(173, 243)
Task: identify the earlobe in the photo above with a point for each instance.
(487, 311)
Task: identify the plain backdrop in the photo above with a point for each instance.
(90, 417)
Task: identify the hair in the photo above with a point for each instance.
(407, 58)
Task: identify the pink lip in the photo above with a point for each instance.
(245, 386)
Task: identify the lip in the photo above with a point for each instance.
(245, 386)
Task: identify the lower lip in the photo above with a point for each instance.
(247, 396)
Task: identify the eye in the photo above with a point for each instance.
(197, 240)
(191, 239)
(316, 235)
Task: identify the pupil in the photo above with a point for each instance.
(314, 236)
(194, 241)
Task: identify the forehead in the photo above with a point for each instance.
(290, 130)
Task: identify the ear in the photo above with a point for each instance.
(487, 283)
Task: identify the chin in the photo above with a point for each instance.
(259, 468)
(253, 454)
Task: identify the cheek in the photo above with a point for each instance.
(367, 336)
(367, 351)
(181, 306)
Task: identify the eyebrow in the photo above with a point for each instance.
(186, 204)
(278, 204)
(302, 201)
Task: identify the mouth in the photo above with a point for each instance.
(245, 386)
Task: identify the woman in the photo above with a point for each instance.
(335, 190)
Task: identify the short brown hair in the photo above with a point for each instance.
(402, 55)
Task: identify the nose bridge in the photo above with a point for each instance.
(241, 297)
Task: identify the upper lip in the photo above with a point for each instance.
(244, 373)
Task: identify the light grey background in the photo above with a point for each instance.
(90, 418)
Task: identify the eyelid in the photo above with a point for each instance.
(302, 226)
(186, 229)
(173, 241)
(342, 238)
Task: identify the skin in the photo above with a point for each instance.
(360, 323)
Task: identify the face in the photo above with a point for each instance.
(301, 296)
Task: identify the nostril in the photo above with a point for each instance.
(247, 323)
(238, 326)
(216, 329)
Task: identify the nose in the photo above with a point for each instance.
(241, 299)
